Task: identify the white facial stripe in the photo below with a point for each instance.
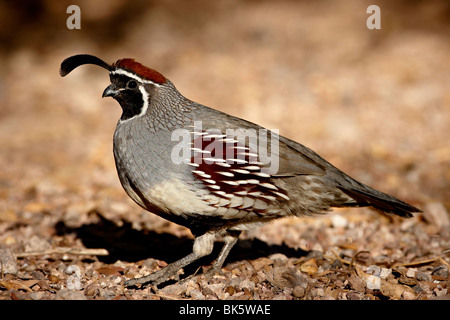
(144, 106)
(133, 76)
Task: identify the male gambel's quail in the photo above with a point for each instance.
(223, 183)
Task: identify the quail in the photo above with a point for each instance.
(214, 173)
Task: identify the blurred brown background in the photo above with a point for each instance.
(376, 103)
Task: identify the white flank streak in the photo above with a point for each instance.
(202, 174)
(282, 195)
(248, 154)
(198, 133)
(193, 164)
(231, 183)
(251, 167)
(209, 181)
(268, 186)
(223, 164)
(214, 159)
(200, 150)
(228, 140)
(238, 161)
(213, 187)
(215, 136)
(253, 181)
(271, 198)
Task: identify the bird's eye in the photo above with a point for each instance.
(131, 84)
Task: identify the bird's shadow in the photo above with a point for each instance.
(127, 244)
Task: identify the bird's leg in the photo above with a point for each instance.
(203, 246)
(230, 240)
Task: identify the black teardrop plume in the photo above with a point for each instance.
(75, 61)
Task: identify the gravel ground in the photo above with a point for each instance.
(373, 102)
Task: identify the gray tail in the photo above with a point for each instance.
(366, 196)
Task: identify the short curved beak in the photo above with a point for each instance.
(109, 91)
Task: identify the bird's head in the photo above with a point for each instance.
(132, 84)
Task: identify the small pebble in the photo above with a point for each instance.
(298, 292)
(317, 292)
(175, 289)
(337, 264)
(65, 294)
(422, 276)
(439, 291)
(436, 213)
(286, 277)
(357, 283)
(441, 271)
(36, 295)
(385, 272)
(92, 290)
(338, 221)
(37, 274)
(352, 295)
(248, 284)
(407, 295)
(411, 273)
(197, 294)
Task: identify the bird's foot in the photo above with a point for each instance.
(153, 279)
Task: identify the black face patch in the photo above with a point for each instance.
(129, 97)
